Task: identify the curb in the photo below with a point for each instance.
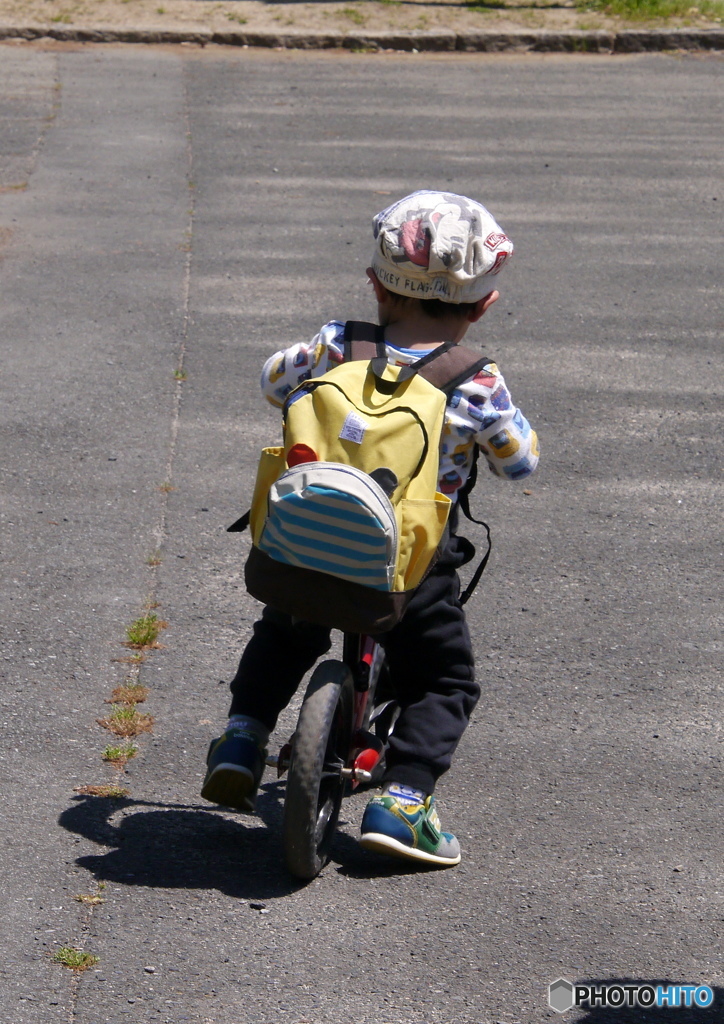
(442, 41)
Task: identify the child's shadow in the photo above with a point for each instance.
(184, 847)
(189, 847)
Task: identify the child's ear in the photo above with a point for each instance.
(482, 306)
(381, 293)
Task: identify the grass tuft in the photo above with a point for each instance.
(115, 792)
(131, 659)
(353, 14)
(129, 693)
(125, 721)
(144, 632)
(76, 959)
(91, 899)
(119, 756)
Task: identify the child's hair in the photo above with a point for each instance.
(435, 309)
(439, 247)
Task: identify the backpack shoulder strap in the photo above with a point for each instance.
(464, 503)
(452, 366)
(446, 367)
(365, 341)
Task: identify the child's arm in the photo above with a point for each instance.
(502, 432)
(286, 369)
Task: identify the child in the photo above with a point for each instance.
(434, 273)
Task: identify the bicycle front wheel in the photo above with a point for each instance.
(315, 785)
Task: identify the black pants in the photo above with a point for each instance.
(431, 669)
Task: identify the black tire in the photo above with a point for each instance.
(314, 788)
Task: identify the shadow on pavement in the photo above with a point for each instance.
(194, 847)
(354, 862)
(184, 846)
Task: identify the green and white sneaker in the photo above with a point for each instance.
(408, 828)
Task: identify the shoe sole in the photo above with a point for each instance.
(232, 786)
(379, 843)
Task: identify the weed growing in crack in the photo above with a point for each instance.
(129, 693)
(91, 899)
(76, 959)
(131, 659)
(114, 792)
(125, 721)
(144, 631)
(119, 756)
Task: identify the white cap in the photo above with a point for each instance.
(438, 245)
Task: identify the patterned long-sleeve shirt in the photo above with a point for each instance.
(479, 412)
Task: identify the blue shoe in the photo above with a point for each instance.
(408, 830)
(235, 767)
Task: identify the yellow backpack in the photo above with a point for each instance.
(346, 518)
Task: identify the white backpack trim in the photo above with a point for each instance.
(335, 519)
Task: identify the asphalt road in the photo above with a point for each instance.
(179, 213)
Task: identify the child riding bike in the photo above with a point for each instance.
(434, 273)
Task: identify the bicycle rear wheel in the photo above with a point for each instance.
(315, 786)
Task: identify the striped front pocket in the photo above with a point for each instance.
(334, 519)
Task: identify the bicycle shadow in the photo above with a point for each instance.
(182, 846)
(713, 1014)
